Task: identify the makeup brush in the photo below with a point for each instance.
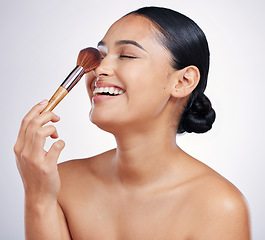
(88, 59)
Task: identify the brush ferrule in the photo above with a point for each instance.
(73, 78)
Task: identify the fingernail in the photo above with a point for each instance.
(44, 101)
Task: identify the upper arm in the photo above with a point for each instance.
(63, 172)
(63, 224)
(225, 217)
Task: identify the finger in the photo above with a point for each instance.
(36, 110)
(35, 124)
(40, 138)
(55, 150)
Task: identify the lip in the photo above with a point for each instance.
(102, 98)
(106, 84)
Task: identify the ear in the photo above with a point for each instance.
(184, 81)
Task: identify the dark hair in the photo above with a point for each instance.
(186, 42)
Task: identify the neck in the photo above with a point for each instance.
(144, 157)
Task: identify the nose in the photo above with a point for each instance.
(105, 68)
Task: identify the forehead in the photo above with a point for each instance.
(132, 27)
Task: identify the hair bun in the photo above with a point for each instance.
(198, 117)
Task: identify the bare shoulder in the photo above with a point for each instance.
(88, 166)
(221, 209)
(79, 174)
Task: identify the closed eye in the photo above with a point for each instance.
(127, 56)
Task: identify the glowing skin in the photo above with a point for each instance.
(146, 188)
(134, 61)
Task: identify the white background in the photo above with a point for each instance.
(39, 44)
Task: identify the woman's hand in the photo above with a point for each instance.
(38, 168)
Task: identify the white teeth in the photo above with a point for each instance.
(106, 89)
(110, 90)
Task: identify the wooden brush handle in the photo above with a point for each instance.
(55, 99)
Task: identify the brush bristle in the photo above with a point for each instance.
(89, 59)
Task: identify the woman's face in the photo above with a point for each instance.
(135, 70)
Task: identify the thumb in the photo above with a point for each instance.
(55, 150)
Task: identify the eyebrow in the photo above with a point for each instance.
(123, 42)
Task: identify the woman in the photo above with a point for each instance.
(148, 87)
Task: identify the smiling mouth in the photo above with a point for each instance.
(108, 91)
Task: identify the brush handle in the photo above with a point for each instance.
(56, 98)
(73, 78)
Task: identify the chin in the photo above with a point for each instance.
(104, 121)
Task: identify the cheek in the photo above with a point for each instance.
(150, 99)
(146, 85)
(147, 93)
(151, 103)
(90, 79)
